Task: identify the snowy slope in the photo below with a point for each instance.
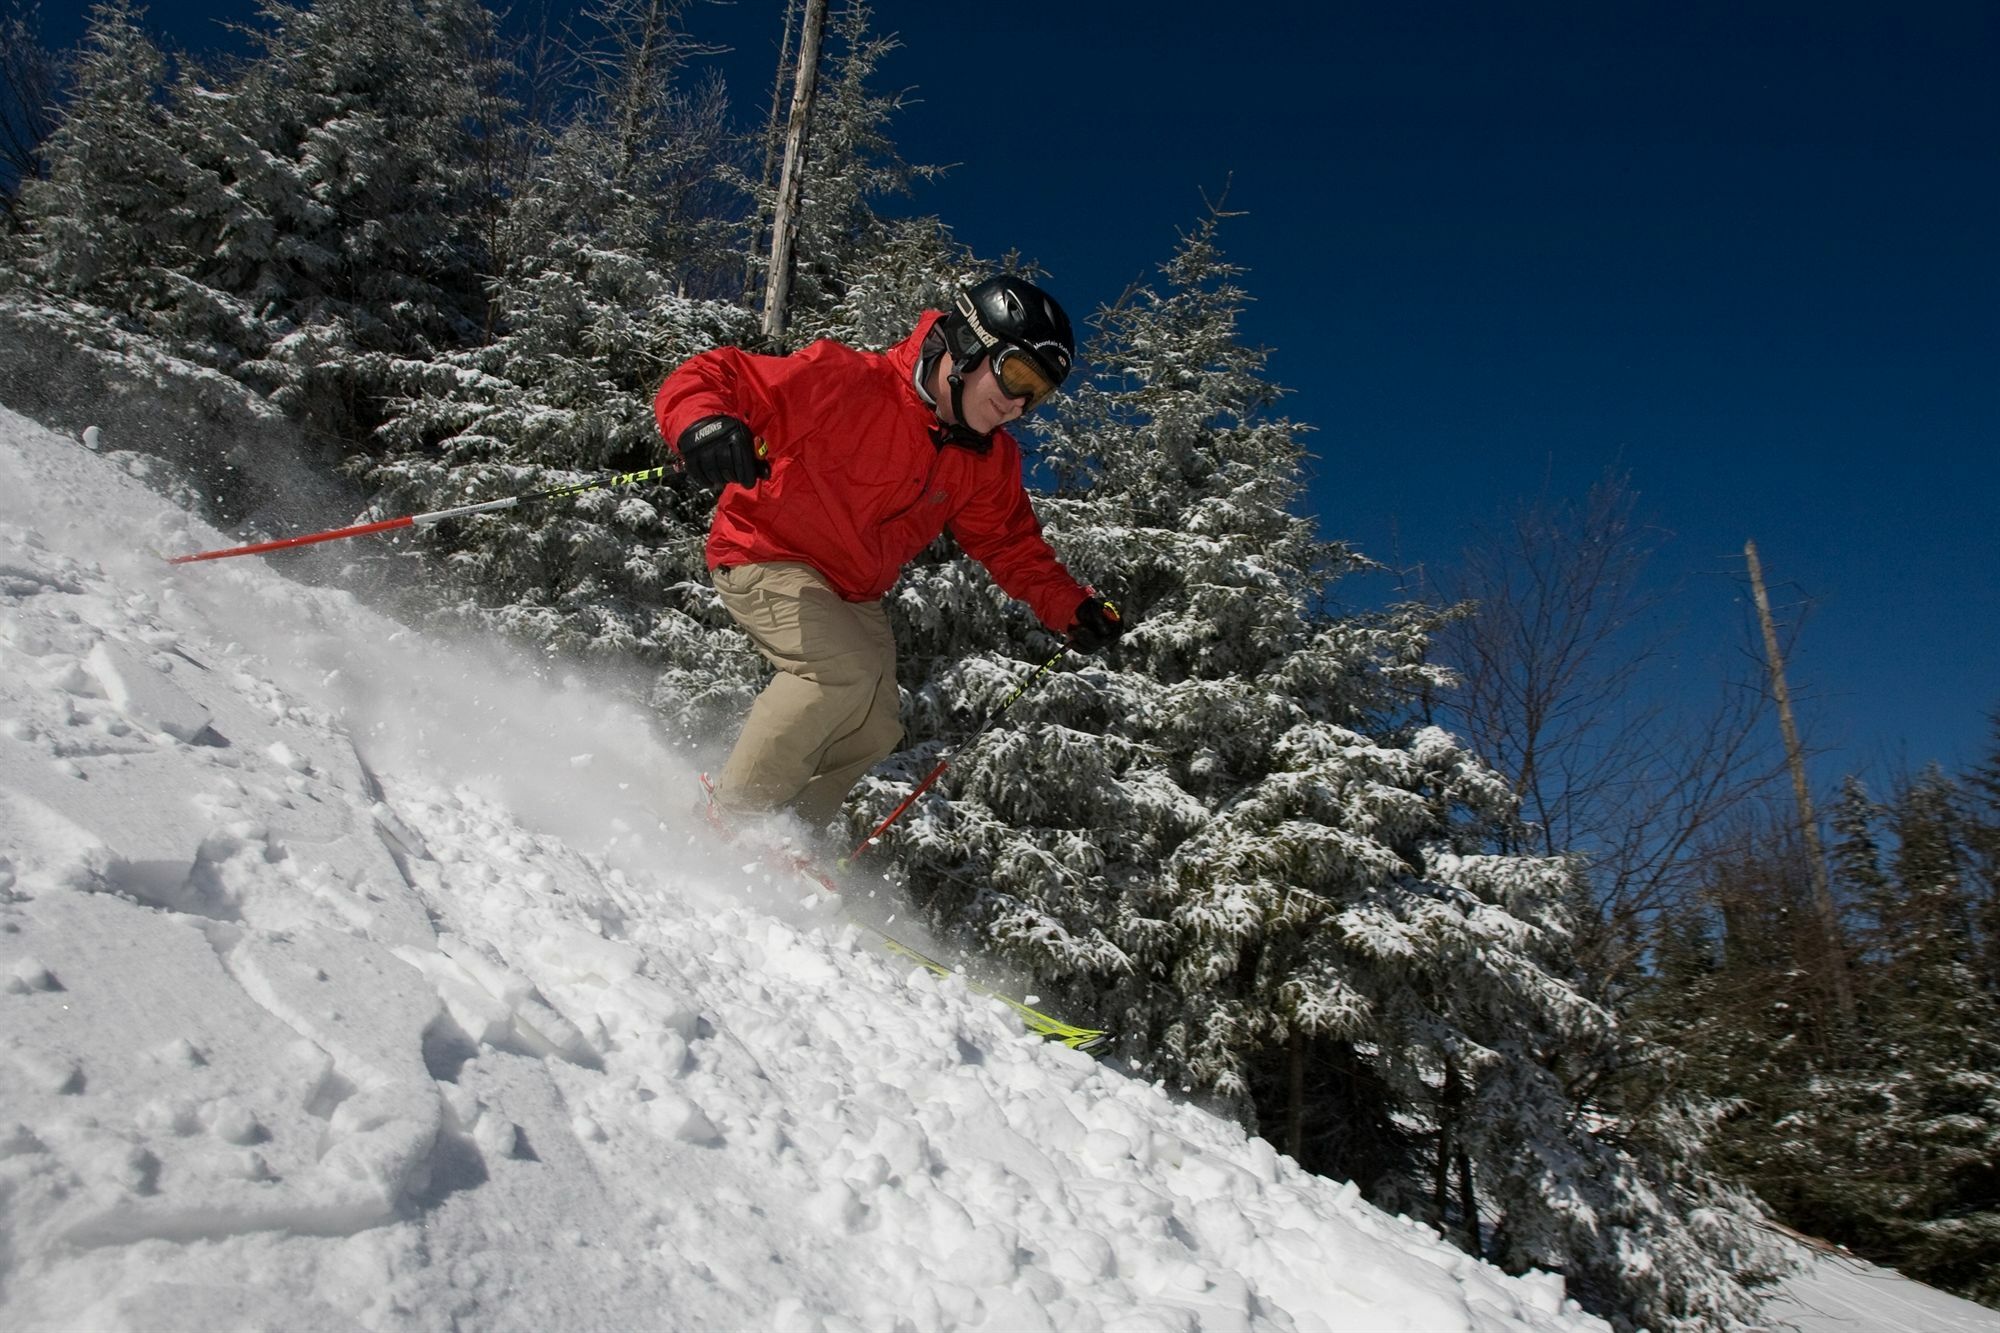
(352, 979)
(1838, 1293)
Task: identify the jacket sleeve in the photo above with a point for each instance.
(731, 382)
(999, 530)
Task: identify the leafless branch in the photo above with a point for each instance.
(1571, 665)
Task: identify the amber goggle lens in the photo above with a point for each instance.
(1021, 378)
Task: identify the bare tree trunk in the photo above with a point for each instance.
(784, 223)
(1295, 1100)
(1451, 1148)
(773, 133)
(773, 140)
(1441, 1176)
(1469, 1202)
(1836, 956)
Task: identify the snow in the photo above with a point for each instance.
(1842, 1294)
(350, 978)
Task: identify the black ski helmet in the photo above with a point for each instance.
(1006, 311)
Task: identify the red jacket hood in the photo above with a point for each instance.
(905, 355)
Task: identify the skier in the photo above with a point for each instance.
(836, 467)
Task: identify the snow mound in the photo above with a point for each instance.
(351, 979)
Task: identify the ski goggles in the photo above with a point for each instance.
(1020, 378)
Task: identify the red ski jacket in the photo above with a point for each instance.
(858, 486)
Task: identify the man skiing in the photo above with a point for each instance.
(836, 467)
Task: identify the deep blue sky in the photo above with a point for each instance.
(1749, 251)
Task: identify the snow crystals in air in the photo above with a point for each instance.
(354, 979)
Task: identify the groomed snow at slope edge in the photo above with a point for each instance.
(349, 979)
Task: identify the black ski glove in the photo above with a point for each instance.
(1097, 626)
(719, 450)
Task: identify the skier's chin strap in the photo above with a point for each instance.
(955, 431)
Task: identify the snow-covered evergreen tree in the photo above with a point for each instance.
(355, 147)
(107, 225)
(911, 266)
(1232, 841)
(1982, 837)
(32, 79)
(617, 220)
(1924, 1103)
(294, 224)
(1883, 1136)
(112, 295)
(1732, 1004)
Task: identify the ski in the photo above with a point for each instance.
(1076, 1038)
(1045, 1025)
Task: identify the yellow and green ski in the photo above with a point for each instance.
(1076, 1038)
(1070, 1035)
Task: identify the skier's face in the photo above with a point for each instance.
(987, 406)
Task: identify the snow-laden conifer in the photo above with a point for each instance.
(1908, 1125)
(108, 225)
(122, 293)
(617, 220)
(296, 222)
(1233, 840)
(356, 149)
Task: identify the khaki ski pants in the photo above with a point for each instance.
(830, 714)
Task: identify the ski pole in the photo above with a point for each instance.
(945, 762)
(435, 516)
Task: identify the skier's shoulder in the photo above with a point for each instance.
(833, 357)
(853, 389)
(826, 358)
(837, 375)
(897, 361)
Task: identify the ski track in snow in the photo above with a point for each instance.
(350, 979)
